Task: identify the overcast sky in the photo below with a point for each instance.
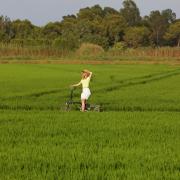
(40, 12)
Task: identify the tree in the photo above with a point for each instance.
(90, 27)
(110, 11)
(68, 37)
(137, 36)
(131, 13)
(95, 12)
(51, 30)
(158, 25)
(173, 33)
(6, 32)
(22, 29)
(102, 26)
(169, 15)
(158, 22)
(69, 25)
(69, 42)
(114, 27)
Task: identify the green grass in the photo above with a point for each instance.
(154, 87)
(136, 137)
(116, 145)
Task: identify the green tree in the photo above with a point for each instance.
(22, 29)
(51, 30)
(91, 32)
(173, 34)
(6, 32)
(69, 26)
(110, 11)
(137, 36)
(114, 27)
(95, 12)
(131, 13)
(169, 15)
(69, 42)
(158, 26)
(158, 22)
(27, 34)
(89, 26)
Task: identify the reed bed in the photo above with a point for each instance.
(8, 51)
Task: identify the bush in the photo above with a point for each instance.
(96, 39)
(119, 46)
(88, 49)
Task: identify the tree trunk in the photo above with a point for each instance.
(178, 42)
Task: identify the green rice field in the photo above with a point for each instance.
(135, 137)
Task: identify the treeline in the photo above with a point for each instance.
(105, 27)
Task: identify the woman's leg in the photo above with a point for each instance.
(83, 101)
(85, 104)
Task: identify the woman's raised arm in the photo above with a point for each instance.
(89, 72)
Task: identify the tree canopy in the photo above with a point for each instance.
(173, 33)
(102, 26)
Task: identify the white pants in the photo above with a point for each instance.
(85, 93)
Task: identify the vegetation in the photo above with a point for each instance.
(173, 33)
(136, 137)
(97, 25)
(88, 49)
(46, 86)
(137, 36)
(119, 51)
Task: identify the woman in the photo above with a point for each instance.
(86, 77)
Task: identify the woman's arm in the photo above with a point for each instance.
(89, 72)
(76, 85)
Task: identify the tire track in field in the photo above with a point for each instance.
(38, 94)
(120, 84)
(137, 81)
(140, 80)
(127, 108)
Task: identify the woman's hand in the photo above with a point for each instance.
(89, 73)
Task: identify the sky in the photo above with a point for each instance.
(40, 12)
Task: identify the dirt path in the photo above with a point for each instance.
(169, 62)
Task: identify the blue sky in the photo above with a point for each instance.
(40, 12)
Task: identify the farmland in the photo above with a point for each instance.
(135, 137)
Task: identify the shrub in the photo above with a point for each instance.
(88, 49)
(96, 39)
(119, 46)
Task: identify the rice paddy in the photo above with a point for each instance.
(135, 137)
